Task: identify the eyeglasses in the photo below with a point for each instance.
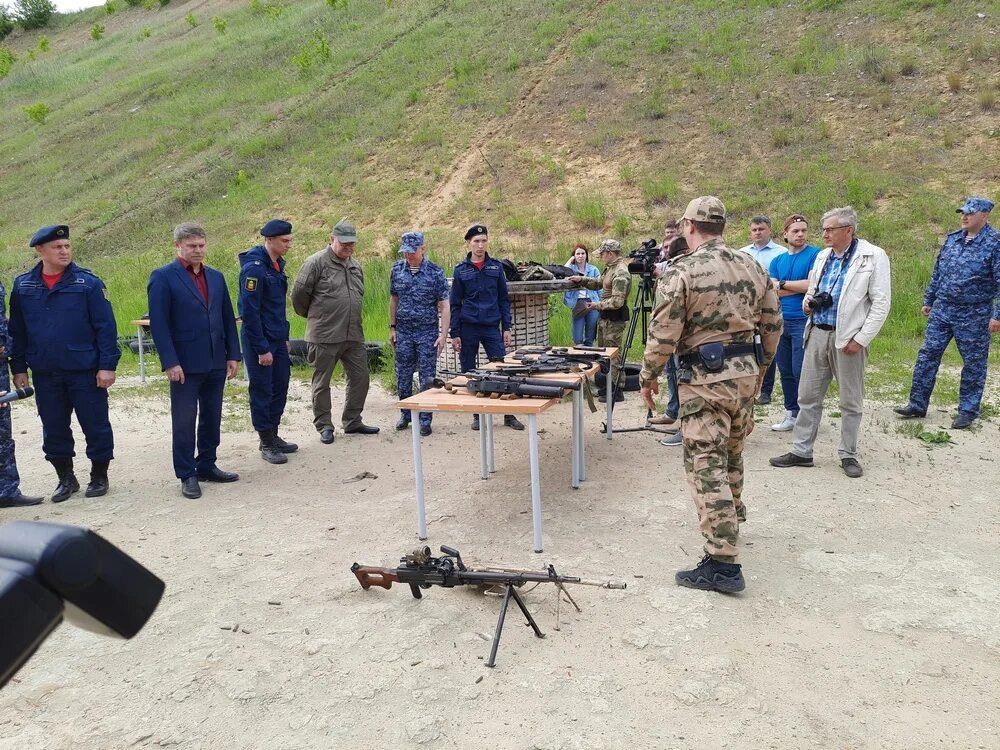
(830, 229)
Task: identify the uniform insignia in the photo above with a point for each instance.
(251, 285)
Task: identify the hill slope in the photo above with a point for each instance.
(549, 119)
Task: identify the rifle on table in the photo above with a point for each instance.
(420, 570)
(497, 385)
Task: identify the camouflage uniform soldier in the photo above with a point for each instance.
(418, 294)
(960, 303)
(615, 284)
(716, 298)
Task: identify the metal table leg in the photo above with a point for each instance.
(610, 404)
(418, 471)
(581, 459)
(536, 490)
(574, 448)
(142, 355)
(484, 469)
(490, 462)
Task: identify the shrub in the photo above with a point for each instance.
(33, 14)
(7, 60)
(987, 100)
(219, 24)
(191, 20)
(133, 3)
(954, 81)
(110, 8)
(164, 3)
(146, 32)
(588, 210)
(621, 225)
(337, 4)
(96, 31)
(37, 111)
(6, 22)
(43, 44)
(660, 190)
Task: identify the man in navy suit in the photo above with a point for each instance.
(194, 329)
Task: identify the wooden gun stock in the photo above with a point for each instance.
(369, 576)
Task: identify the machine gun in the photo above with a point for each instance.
(496, 385)
(420, 570)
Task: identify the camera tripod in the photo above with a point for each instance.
(642, 307)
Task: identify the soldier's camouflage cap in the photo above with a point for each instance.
(707, 208)
(611, 246)
(345, 231)
(410, 242)
(974, 204)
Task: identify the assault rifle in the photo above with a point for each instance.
(496, 384)
(420, 570)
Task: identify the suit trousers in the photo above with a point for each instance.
(196, 409)
(821, 363)
(323, 358)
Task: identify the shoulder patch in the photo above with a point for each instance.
(251, 284)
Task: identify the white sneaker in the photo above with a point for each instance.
(785, 425)
(674, 439)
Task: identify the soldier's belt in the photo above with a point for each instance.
(713, 356)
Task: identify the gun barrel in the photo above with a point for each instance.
(609, 584)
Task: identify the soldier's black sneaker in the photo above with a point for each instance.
(789, 459)
(910, 412)
(268, 450)
(963, 421)
(475, 422)
(712, 575)
(19, 501)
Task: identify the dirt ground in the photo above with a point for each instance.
(870, 618)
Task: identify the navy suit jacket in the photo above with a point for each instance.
(186, 331)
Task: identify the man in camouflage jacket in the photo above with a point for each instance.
(713, 295)
(615, 284)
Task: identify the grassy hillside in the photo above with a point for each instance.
(551, 120)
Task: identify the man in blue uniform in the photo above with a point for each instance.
(960, 303)
(10, 481)
(418, 295)
(194, 329)
(480, 309)
(263, 287)
(63, 329)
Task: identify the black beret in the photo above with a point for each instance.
(474, 231)
(49, 233)
(276, 228)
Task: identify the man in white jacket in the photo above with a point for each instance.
(847, 301)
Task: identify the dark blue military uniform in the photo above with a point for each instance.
(417, 328)
(962, 296)
(10, 481)
(263, 290)
(480, 309)
(65, 335)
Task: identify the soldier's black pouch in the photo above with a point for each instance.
(713, 356)
(758, 349)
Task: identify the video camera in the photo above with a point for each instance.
(644, 258)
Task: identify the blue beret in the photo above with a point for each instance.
(49, 233)
(974, 204)
(276, 228)
(411, 242)
(474, 231)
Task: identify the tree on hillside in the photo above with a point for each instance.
(6, 22)
(33, 14)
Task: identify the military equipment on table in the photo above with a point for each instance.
(420, 570)
(496, 384)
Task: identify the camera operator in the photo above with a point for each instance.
(672, 248)
(615, 284)
(847, 301)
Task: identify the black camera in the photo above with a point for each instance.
(821, 301)
(643, 258)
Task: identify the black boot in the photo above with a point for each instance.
(269, 449)
(98, 486)
(283, 446)
(67, 479)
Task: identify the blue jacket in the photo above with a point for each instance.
(262, 301)
(186, 331)
(570, 297)
(417, 295)
(479, 297)
(68, 327)
(967, 274)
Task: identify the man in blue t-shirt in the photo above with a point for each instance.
(763, 250)
(790, 272)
